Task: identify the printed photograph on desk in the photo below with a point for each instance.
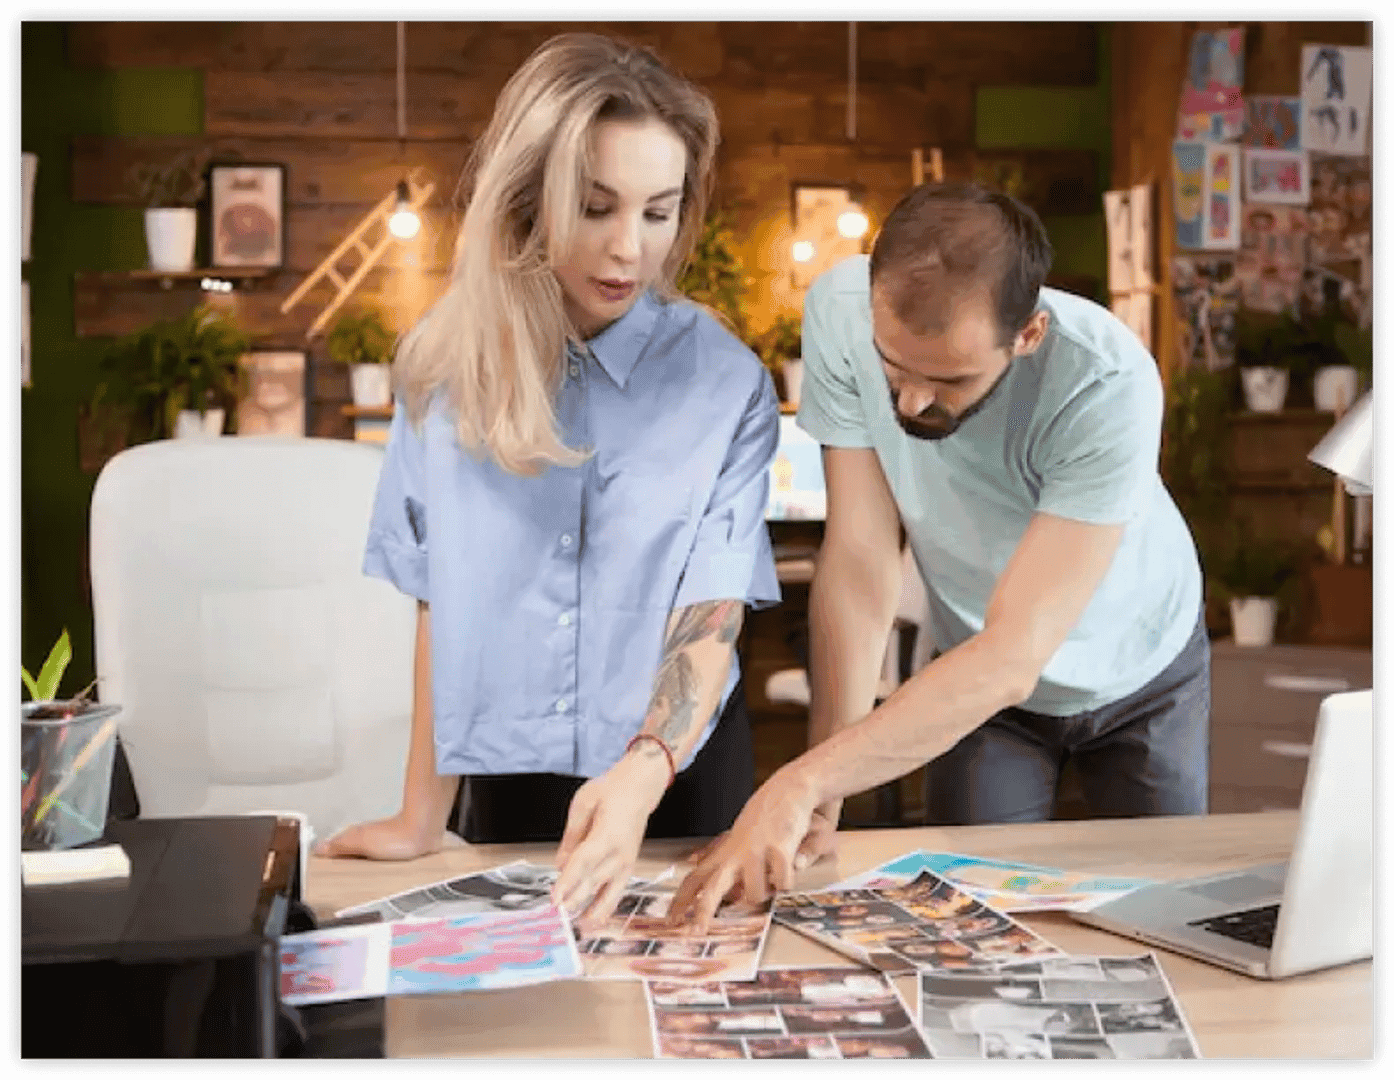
(1064, 1007)
(515, 886)
(784, 1012)
(926, 923)
(638, 943)
(1007, 886)
(334, 965)
(481, 952)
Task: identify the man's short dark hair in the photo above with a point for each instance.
(944, 240)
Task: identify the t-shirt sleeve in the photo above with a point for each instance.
(396, 548)
(830, 405)
(731, 556)
(1098, 457)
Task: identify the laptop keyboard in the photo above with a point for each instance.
(1255, 926)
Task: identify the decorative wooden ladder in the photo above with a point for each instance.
(346, 282)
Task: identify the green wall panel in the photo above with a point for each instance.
(58, 102)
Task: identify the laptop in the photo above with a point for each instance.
(1314, 911)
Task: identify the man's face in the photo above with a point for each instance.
(938, 380)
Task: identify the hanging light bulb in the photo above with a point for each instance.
(852, 223)
(404, 222)
(803, 251)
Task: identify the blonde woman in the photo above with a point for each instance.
(574, 490)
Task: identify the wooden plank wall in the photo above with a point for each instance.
(321, 99)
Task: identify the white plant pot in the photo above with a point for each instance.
(169, 236)
(372, 384)
(793, 380)
(1334, 387)
(1265, 388)
(1253, 618)
(190, 424)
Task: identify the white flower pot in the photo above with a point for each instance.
(1334, 387)
(1253, 618)
(372, 384)
(1265, 388)
(793, 380)
(192, 425)
(169, 236)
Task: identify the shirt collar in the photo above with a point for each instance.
(619, 346)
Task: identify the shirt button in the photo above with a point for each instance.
(566, 540)
(561, 706)
(564, 619)
(575, 371)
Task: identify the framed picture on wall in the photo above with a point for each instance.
(273, 393)
(247, 215)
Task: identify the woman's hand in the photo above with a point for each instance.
(604, 829)
(390, 839)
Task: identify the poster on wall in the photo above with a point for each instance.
(247, 213)
(1277, 176)
(1135, 309)
(24, 333)
(1221, 230)
(1271, 259)
(28, 167)
(274, 401)
(1212, 98)
(1272, 122)
(1338, 212)
(1336, 84)
(1207, 298)
(1188, 192)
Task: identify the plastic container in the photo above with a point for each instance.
(65, 765)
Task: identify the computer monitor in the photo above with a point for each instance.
(796, 477)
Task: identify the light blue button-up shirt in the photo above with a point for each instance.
(550, 595)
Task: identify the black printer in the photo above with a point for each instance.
(178, 960)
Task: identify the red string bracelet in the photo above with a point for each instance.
(672, 767)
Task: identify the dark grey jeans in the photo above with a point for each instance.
(1147, 753)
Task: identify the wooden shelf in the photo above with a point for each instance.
(366, 412)
(167, 278)
(1311, 417)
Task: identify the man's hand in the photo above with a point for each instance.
(820, 841)
(757, 853)
(389, 839)
(604, 829)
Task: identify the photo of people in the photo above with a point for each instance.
(926, 923)
(900, 1044)
(793, 1046)
(1059, 1007)
(857, 1013)
(640, 943)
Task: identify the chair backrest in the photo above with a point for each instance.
(257, 667)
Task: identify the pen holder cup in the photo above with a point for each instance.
(65, 763)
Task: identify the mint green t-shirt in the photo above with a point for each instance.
(1072, 430)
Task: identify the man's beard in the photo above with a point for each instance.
(936, 422)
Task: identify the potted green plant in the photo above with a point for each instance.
(1335, 386)
(170, 192)
(66, 755)
(177, 377)
(715, 276)
(1254, 575)
(780, 349)
(1265, 346)
(361, 340)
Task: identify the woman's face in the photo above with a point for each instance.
(628, 221)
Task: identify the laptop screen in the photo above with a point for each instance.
(796, 477)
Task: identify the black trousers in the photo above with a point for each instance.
(703, 801)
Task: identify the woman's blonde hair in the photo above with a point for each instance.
(493, 344)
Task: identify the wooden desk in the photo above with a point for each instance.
(1324, 1014)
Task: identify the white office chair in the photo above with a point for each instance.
(257, 667)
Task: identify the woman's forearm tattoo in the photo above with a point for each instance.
(675, 688)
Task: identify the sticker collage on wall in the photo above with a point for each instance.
(1271, 193)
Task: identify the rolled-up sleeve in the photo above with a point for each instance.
(397, 538)
(731, 556)
(830, 407)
